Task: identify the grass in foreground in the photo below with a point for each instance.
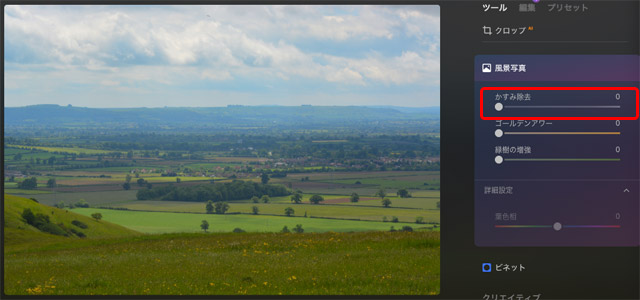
(364, 263)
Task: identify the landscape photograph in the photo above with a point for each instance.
(221, 150)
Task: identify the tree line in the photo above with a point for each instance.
(236, 190)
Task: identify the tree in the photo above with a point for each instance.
(438, 204)
(235, 190)
(126, 186)
(149, 185)
(130, 154)
(209, 207)
(51, 183)
(28, 216)
(60, 204)
(255, 199)
(315, 199)
(386, 202)
(264, 178)
(254, 209)
(381, 193)
(40, 220)
(285, 229)
(403, 193)
(178, 179)
(407, 228)
(128, 178)
(419, 220)
(141, 182)
(79, 224)
(81, 203)
(355, 197)
(296, 197)
(204, 225)
(28, 184)
(96, 216)
(289, 211)
(265, 199)
(298, 229)
(221, 207)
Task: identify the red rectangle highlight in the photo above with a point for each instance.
(556, 89)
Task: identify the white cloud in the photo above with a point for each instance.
(345, 75)
(138, 45)
(408, 68)
(110, 83)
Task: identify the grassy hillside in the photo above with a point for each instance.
(360, 263)
(114, 260)
(20, 235)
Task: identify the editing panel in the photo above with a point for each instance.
(556, 150)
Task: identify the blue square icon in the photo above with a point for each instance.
(486, 267)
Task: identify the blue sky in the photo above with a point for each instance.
(154, 56)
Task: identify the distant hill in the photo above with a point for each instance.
(20, 235)
(233, 115)
(429, 110)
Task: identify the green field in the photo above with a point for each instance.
(62, 149)
(28, 154)
(342, 211)
(340, 237)
(15, 191)
(419, 203)
(369, 263)
(93, 198)
(14, 151)
(114, 178)
(114, 260)
(165, 222)
(426, 194)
